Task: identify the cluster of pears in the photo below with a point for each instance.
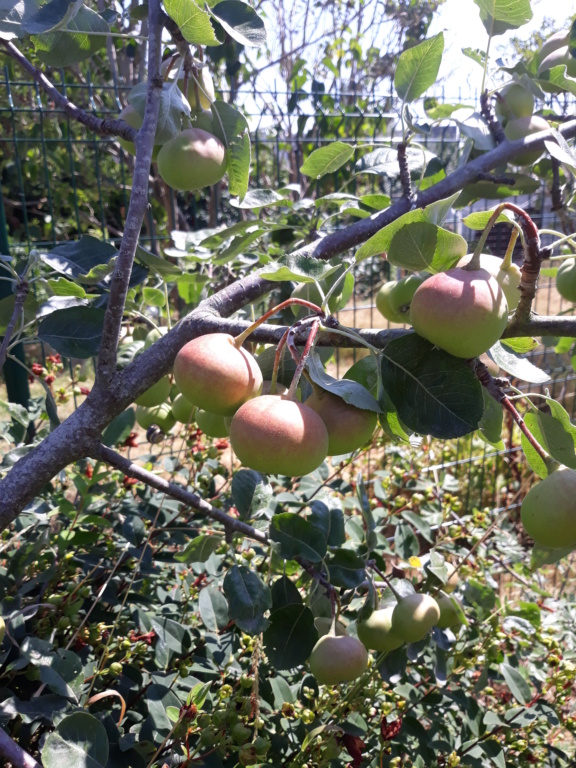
(338, 657)
(548, 511)
(195, 158)
(271, 433)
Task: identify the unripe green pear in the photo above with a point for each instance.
(212, 424)
(161, 415)
(555, 41)
(309, 292)
(192, 160)
(206, 92)
(130, 116)
(182, 409)
(461, 311)
(508, 278)
(566, 280)
(394, 298)
(449, 614)
(519, 129)
(549, 510)
(202, 119)
(453, 578)
(153, 336)
(323, 625)
(559, 57)
(338, 659)
(215, 375)
(513, 101)
(376, 632)
(278, 436)
(414, 617)
(157, 394)
(348, 427)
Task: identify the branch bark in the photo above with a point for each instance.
(9, 750)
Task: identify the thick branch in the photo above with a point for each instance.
(104, 127)
(10, 751)
(21, 293)
(176, 492)
(119, 284)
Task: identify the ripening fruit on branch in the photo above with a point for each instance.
(212, 424)
(156, 395)
(549, 510)
(566, 280)
(278, 436)
(161, 415)
(348, 427)
(338, 659)
(555, 41)
(414, 617)
(559, 57)
(376, 632)
(519, 129)
(508, 277)
(323, 624)
(462, 311)
(394, 298)
(130, 116)
(450, 616)
(216, 375)
(513, 101)
(192, 160)
(182, 409)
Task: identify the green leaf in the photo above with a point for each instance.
(384, 161)
(213, 609)
(173, 106)
(62, 287)
(287, 365)
(405, 542)
(517, 366)
(297, 537)
(79, 256)
(424, 246)
(194, 23)
(490, 424)
(119, 428)
(350, 391)
(154, 297)
(524, 344)
(480, 219)
(487, 190)
(304, 269)
(554, 432)
(417, 68)
(73, 332)
(498, 16)
(284, 593)
(518, 686)
(241, 22)
(79, 741)
(248, 599)
(330, 520)
(434, 393)
(327, 159)
(85, 34)
(13, 14)
(199, 549)
(156, 264)
(476, 54)
(231, 127)
(346, 569)
(291, 636)
(52, 16)
(259, 198)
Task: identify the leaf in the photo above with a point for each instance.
(327, 159)
(304, 269)
(435, 393)
(241, 22)
(330, 520)
(424, 246)
(487, 190)
(79, 741)
(405, 542)
(172, 106)
(554, 432)
(346, 569)
(490, 425)
(199, 549)
(231, 127)
(153, 297)
(516, 365)
(156, 264)
(79, 256)
(248, 599)
(119, 428)
(251, 493)
(518, 686)
(350, 391)
(213, 609)
(194, 23)
(524, 344)
(73, 332)
(13, 14)
(284, 593)
(291, 636)
(259, 198)
(476, 54)
(480, 219)
(474, 126)
(498, 16)
(384, 161)
(52, 16)
(62, 287)
(297, 537)
(417, 68)
(85, 34)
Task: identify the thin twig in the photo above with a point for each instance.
(405, 180)
(489, 115)
(21, 293)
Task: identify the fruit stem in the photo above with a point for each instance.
(241, 338)
(277, 358)
(307, 349)
(507, 260)
(474, 263)
(333, 288)
(385, 579)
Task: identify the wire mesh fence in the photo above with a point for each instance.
(59, 182)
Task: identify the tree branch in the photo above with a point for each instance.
(103, 453)
(9, 750)
(104, 127)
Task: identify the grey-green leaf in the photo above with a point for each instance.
(516, 365)
(518, 686)
(327, 159)
(241, 22)
(498, 16)
(291, 636)
(199, 549)
(194, 22)
(231, 127)
(213, 609)
(297, 537)
(418, 67)
(79, 741)
(248, 599)
(84, 35)
(73, 332)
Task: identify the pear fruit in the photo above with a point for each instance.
(277, 436)
(508, 277)
(450, 616)
(559, 57)
(414, 616)
(206, 93)
(161, 415)
(521, 127)
(348, 427)
(212, 424)
(548, 511)
(182, 409)
(214, 374)
(323, 624)
(514, 101)
(566, 280)
(130, 116)
(192, 160)
(376, 632)
(394, 297)
(157, 394)
(153, 336)
(461, 311)
(555, 41)
(338, 659)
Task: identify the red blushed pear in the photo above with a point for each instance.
(348, 427)
(462, 311)
(278, 436)
(215, 374)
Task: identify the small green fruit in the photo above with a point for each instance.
(241, 733)
(515, 101)
(153, 336)
(461, 311)
(555, 41)
(277, 436)
(557, 58)
(161, 415)
(566, 280)
(549, 510)
(192, 160)
(450, 615)
(212, 424)
(323, 624)
(156, 395)
(376, 632)
(508, 278)
(519, 129)
(205, 90)
(348, 427)
(215, 375)
(394, 298)
(338, 659)
(414, 616)
(130, 116)
(203, 120)
(182, 409)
